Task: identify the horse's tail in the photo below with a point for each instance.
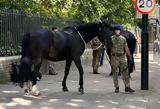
(25, 44)
(133, 47)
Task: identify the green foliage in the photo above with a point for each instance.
(158, 1)
(117, 11)
(10, 51)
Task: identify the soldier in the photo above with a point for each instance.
(97, 52)
(51, 65)
(119, 48)
(107, 41)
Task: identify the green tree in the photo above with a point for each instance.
(117, 11)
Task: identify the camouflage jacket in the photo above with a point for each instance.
(119, 44)
(95, 43)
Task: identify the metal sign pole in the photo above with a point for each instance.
(158, 23)
(144, 53)
(157, 27)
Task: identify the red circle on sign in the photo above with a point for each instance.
(139, 10)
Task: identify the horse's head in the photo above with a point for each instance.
(21, 72)
(105, 33)
(14, 74)
(90, 30)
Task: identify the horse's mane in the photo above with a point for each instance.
(86, 26)
(92, 26)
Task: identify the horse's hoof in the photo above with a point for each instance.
(65, 89)
(81, 90)
(36, 94)
(26, 91)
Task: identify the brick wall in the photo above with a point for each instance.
(5, 67)
(5, 64)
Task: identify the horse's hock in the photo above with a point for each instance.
(5, 67)
(5, 64)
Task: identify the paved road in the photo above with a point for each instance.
(99, 92)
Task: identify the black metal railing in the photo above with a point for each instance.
(13, 25)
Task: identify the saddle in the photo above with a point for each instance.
(68, 32)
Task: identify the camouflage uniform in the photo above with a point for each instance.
(97, 51)
(118, 60)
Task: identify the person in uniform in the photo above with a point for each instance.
(97, 48)
(118, 54)
(51, 64)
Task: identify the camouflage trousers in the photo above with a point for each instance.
(96, 58)
(120, 62)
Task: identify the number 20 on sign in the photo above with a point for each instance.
(145, 6)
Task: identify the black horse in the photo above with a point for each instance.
(68, 44)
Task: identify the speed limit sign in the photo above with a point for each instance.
(145, 6)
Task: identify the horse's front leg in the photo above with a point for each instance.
(29, 87)
(66, 72)
(36, 74)
(80, 69)
(37, 65)
(34, 90)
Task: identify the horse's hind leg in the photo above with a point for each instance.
(80, 69)
(66, 72)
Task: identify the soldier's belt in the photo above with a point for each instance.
(117, 54)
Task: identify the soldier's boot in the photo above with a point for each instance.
(128, 89)
(95, 71)
(119, 74)
(117, 90)
(52, 71)
(110, 74)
